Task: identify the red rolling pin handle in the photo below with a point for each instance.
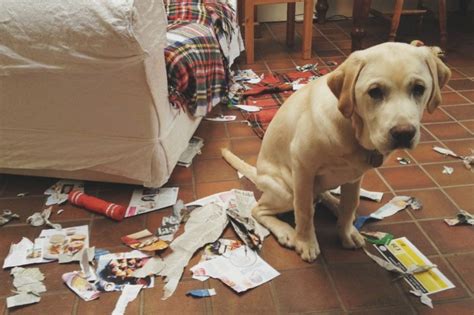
(97, 205)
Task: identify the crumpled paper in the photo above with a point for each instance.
(204, 226)
(42, 218)
(7, 216)
(468, 160)
(29, 284)
(463, 217)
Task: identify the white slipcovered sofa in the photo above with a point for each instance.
(83, 91)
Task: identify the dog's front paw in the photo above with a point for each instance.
(352, 238)
(286, 237)
(307, 248)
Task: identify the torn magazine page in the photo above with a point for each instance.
(149, 199)
(79, 284)
(67, 241)
(194, 147)
(239, 209)
(220, 247)
(204, 226)
(144, 241)
(58, 193)
(25, 252)
(420, 273)
(367, 194)
(463, 217)
(129, 293)
(152, 267)
(68, 257)
(395, 205)
(116, 270)
(242, 270)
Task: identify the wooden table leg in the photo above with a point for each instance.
(307, 28)
(397, 13)
(249, 31)
(322, 8)
(360, 12)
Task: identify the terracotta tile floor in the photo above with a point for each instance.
(340, 281)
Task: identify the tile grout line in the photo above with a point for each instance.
(333, 283)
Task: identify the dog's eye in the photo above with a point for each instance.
(418, 90)
(376, 93)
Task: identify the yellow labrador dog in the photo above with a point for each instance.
(333, 130)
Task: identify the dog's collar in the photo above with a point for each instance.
(374, 158)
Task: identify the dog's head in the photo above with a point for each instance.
(384, 90)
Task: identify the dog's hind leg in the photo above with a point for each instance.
(265, 213)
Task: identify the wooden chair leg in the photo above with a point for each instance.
(442, 24)
(397, 13)
(360, 12)
(290, 24)
(307, 28)
(249, 31)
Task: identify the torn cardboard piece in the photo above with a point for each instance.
(7, 216)
(194, 147)
(367, 194)
(29, 284)
(145, 200)
(463, 217)
(129, 293)
(115, 271)
(58, 193)
(395, 205)
(144, 241)
(42, 218)
(242, 270)
(204, 226)
(201, 293)
(416, 269)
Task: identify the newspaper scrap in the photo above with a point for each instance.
(25, 252)
(247, 75)
(463, 217)
(115, 271)
(331, 63)
(221, 198)
(29, 284)
(248, 108)
(59, 211)
(221, 118)
(194, 147)
(145, 200)
(242, 270)
(129, 293)
(204, 226)
(395, 205)
(201, 293)
(403, 160)
(307, 67)
(379, 238)
(220, 247)
(68, 241)
(22, 194)
(416, 269)
(144, 241)
(367, 194)
(58, 193)
(42, 218)
(447, 170)
(152, 267)
(170, 224)
(7, 216)
(468, 160)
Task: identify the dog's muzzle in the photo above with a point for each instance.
(402, 136)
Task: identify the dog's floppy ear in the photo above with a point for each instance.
(440, 75)
(342, 81)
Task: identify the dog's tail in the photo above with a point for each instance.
(243, 167)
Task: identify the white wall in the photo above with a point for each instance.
(277, 12)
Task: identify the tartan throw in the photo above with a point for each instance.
(270, 94)
(200, 36)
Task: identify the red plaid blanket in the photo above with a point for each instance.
(270, 94)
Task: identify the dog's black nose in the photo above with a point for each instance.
(402, 135)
